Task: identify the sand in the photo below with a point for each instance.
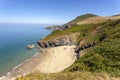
(59, 59)
(51, 60)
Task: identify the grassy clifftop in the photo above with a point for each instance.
(103, 57)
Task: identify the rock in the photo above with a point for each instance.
(59, 41)
(58, 27)
(83, 47)
(53, 27)
(30, 46)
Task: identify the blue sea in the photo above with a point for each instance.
(13, 41)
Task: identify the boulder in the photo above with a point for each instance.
(31, 46)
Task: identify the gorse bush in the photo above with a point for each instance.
(104, 57)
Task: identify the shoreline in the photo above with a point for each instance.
(51, 60)
(7, 74)
(25, 61)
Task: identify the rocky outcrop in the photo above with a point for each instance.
(53, 27)
(59, 41)
(83, 47)
(31, 46)
(88, 45)
(62, 27)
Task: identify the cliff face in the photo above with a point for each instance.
(98, 38)
(59, 41)
(62, 27)
(84, 35)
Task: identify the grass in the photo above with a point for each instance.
(76, 28)
(69, 76)
(99, 61)
(83, 17)
(104, 57)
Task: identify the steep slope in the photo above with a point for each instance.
(104, 55)
(92, 38)
(97, 48)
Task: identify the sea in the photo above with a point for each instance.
(14, 38)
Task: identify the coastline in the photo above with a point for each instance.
(25, 61)
(13, 49)
(9, 73)
(51, 60)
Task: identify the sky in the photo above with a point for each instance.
(54, 11)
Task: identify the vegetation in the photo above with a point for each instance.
(68, 76)
(83, 17)
(76, 28)
(100, 59)
(105, 56)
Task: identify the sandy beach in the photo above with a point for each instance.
(51, 60)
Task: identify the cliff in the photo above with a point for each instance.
(97, 47)
(68, 39)
(86, 32)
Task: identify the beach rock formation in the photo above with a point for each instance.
(83, 47)
(30, 46)
(59, 41)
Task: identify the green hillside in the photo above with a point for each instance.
(98, 60)
(83, 17)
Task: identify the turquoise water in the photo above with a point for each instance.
(13, 41)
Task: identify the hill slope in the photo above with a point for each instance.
(83, 17)
(91, 18)
(97, 49)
